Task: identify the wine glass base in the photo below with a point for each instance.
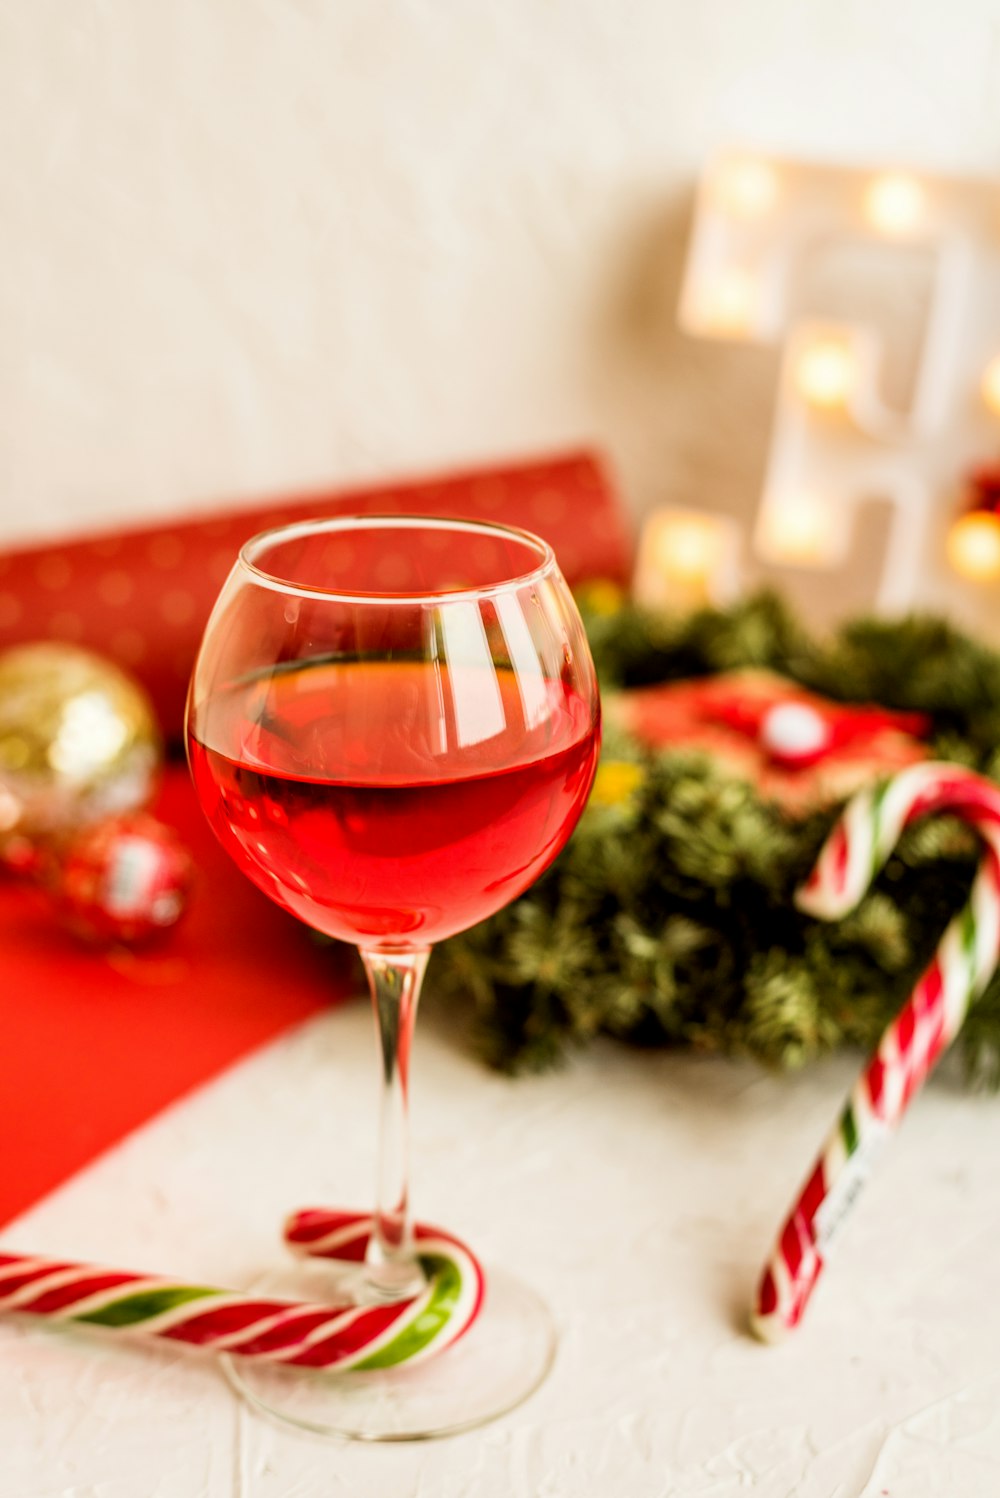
(500, 1360)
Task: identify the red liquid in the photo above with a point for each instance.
(360, 798)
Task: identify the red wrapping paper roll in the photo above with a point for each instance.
(142, 596)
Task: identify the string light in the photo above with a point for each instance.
(895, 203)
(825, 373)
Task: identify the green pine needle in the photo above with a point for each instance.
(668, 919)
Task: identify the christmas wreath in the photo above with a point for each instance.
(668, 919)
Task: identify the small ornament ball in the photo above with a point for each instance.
(794, 734)
(124, 881)
(78, 742)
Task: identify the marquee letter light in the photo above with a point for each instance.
(762, 226)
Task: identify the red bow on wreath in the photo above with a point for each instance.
(798, 747)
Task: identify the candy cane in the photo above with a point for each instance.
(337, 1337)
(321, 1232)
(963, 964)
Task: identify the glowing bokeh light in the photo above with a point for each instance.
(973, 545)
(896, 203)
(990, 386)
(746, 186)
(825, 373)
(798, 530)
(729, 303)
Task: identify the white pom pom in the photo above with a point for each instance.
(792, 731)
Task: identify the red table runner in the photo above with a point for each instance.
(96, 1043)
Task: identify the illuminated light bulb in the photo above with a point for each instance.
(729, 304)
(990, 386)
(973, 545)
(688, 549)
(895, 203)
(799, 531)
(825, 374)
(685, 559)
(746, 187)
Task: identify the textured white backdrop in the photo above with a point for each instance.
(257, 243)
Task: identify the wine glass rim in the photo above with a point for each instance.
(389, 521)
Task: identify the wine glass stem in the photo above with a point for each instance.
(392, 1268)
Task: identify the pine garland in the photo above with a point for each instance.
(668, 919)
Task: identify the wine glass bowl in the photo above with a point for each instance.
(393, 728)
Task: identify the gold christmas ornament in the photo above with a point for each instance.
(78, 742)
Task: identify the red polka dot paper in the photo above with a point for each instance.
(142, 596)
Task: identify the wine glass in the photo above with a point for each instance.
(393, 727)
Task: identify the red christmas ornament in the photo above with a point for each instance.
(124, 881)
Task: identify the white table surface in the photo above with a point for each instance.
(638, 1192)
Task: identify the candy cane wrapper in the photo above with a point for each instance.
(963, 964)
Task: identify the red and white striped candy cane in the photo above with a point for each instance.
(963, 964)
(455, 1275)
(299, 1334)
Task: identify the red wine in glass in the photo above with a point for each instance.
(424, 841)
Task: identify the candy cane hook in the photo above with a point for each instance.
(335, 1337)
(965, 960)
